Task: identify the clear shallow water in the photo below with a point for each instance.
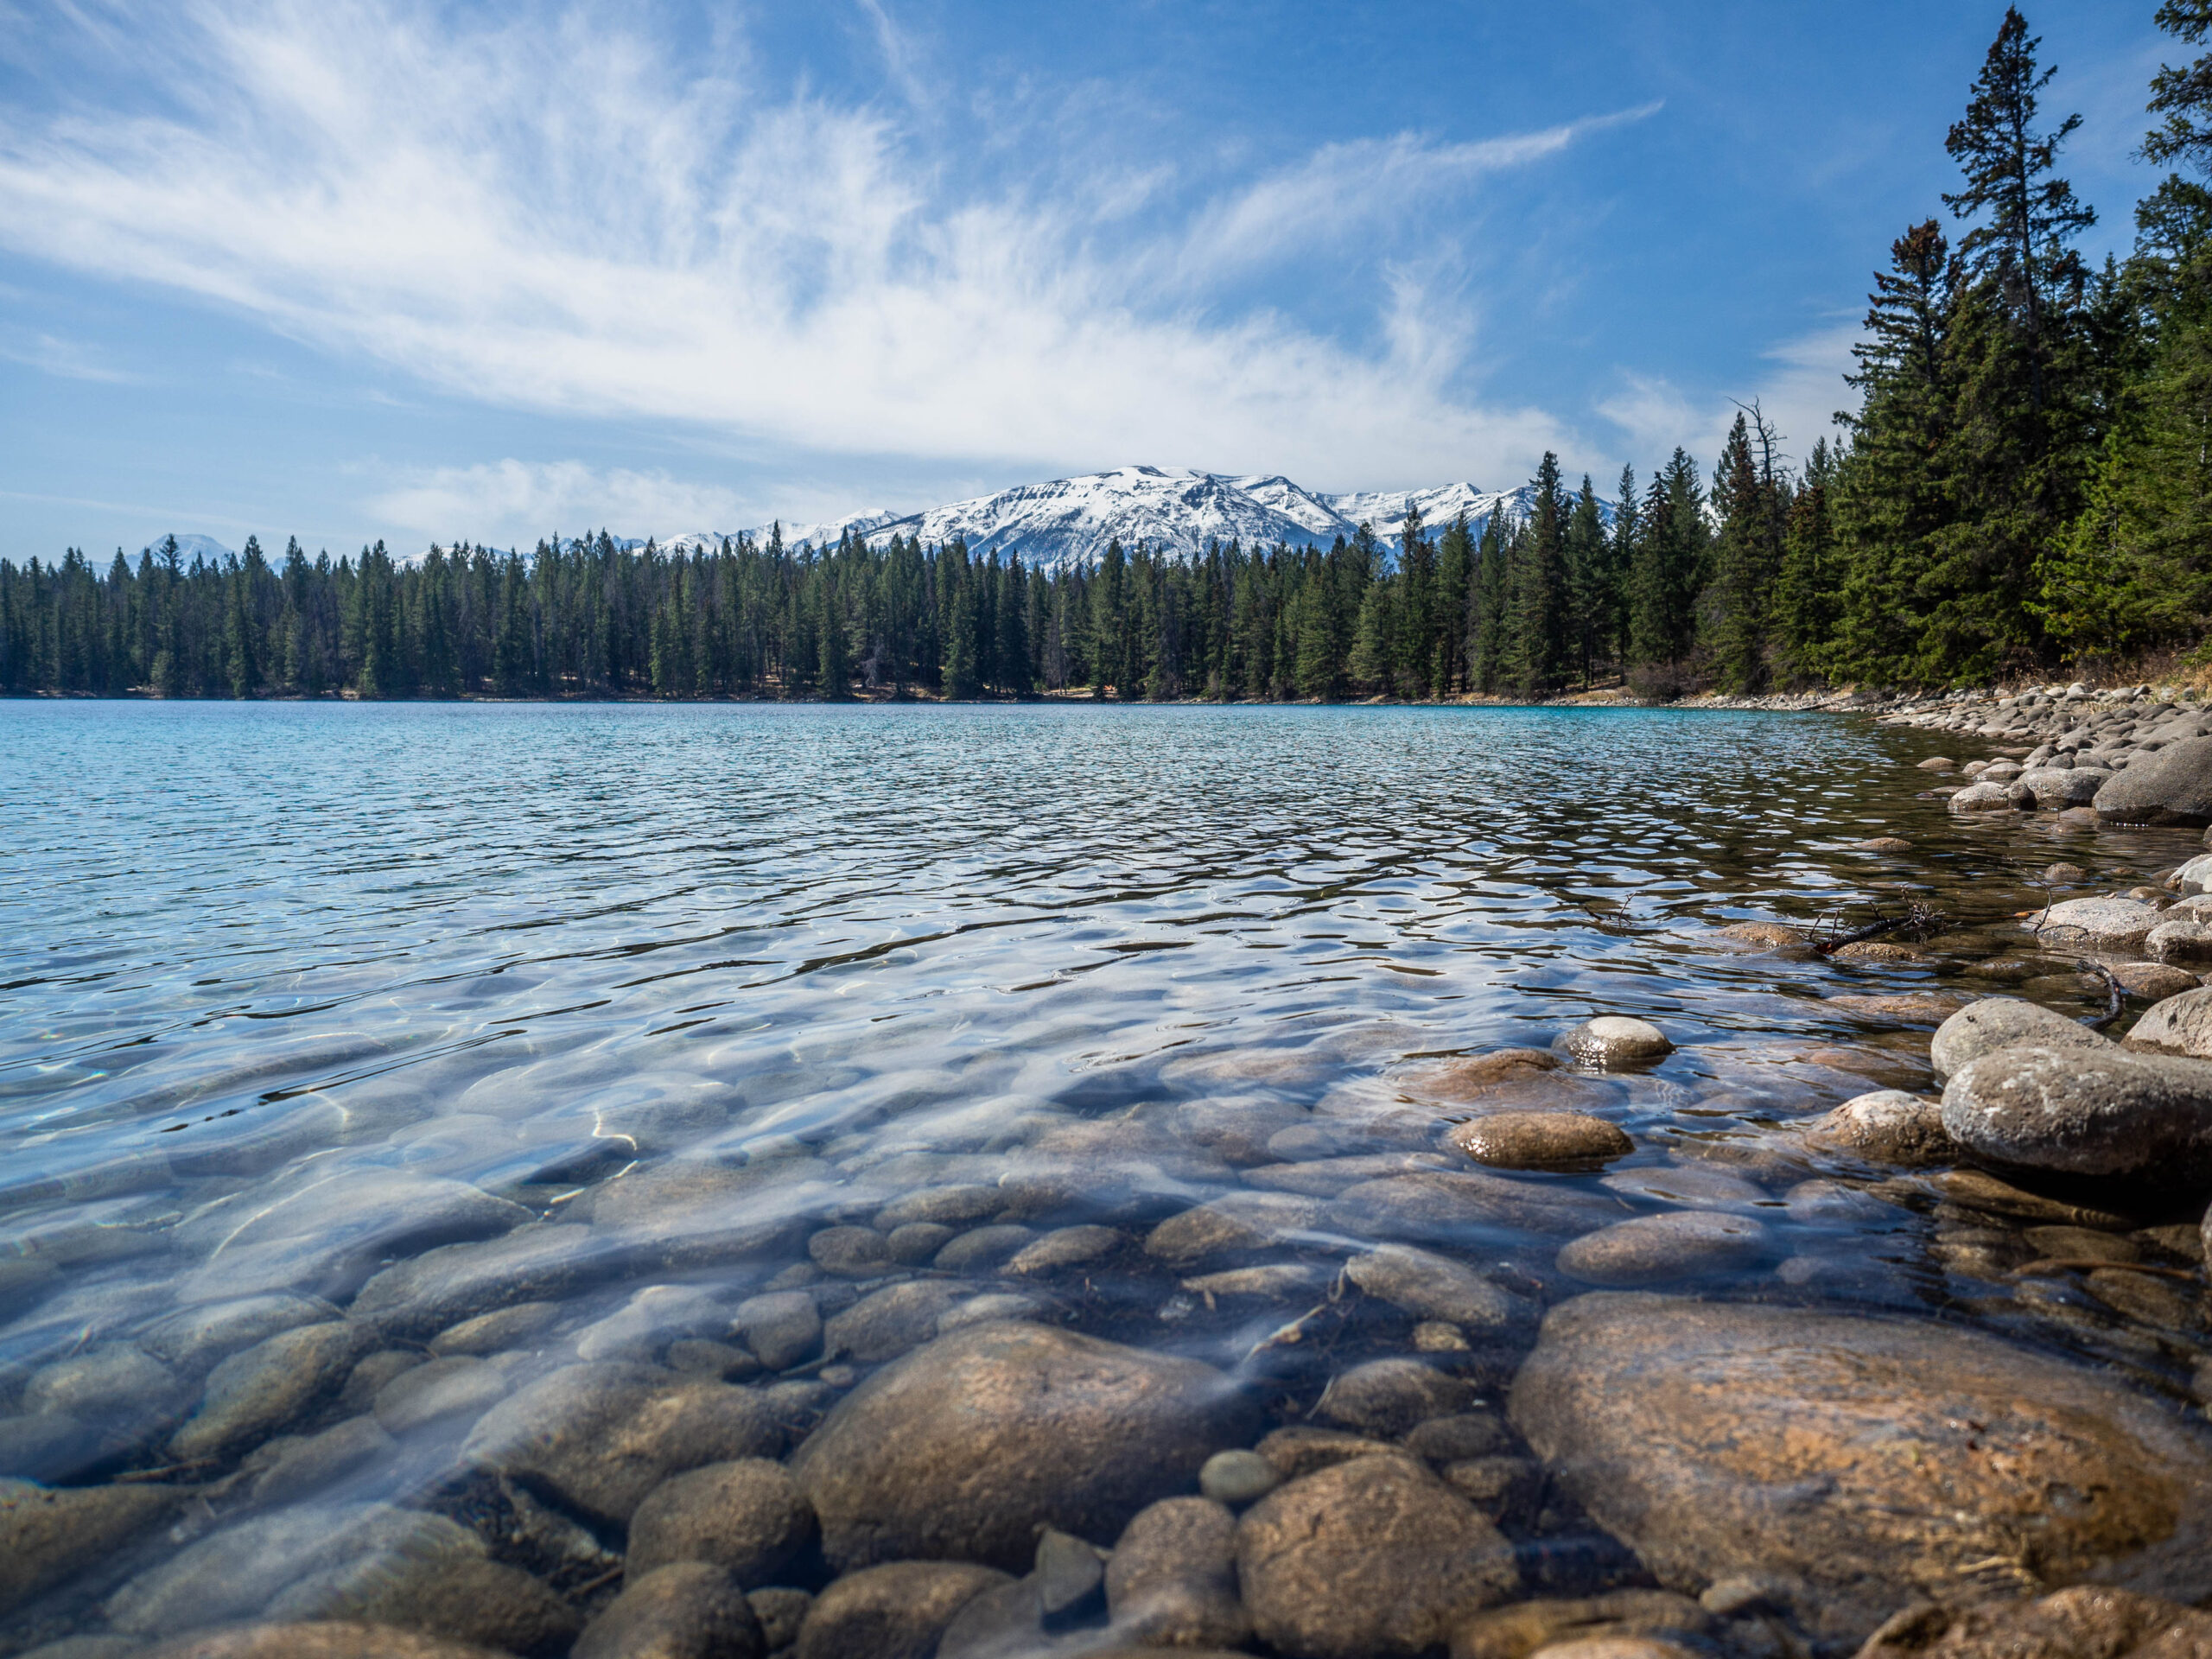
(254, 953)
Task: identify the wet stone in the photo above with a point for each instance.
(1385, 1398)
(2144, 1298)
(1612, 1039)
(1237, 1477)
(1272, 1281)
(894, 1611)
(600, 1437)
(1372, 1557)
(462, 1599)
(370, 1377)
(1035, 1425)
(1301, 1449)
(1693, 1186)
(2180, 1025)
(2084, 1622)
(781, 1612)
(782, 1328)
(1998, 1022)
(540, 1262)
(887, 1323)
(2154, 982)
(982, 1249)
(287, 1470)
(1237, 1224)
(1772, 936)
(2093, 924)
(688, 1610)
(1432, 1286)
(654, 1316)
(917, 1241)
(1681, 1427)
(1655, 1250)
(853, 1252)
(746, 1517)
(1456, 1207)
(339, 1639)
(1066, 1246)
(1172, 1581)
(1624, 1624)
(48, 1537)
(253, 1395)
(518, 1326)
(948, 1206)
(2106, 1114)
(1887, 1127)
(1541, 1141)
(456, 1386)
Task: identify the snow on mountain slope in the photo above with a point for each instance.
(189, 547)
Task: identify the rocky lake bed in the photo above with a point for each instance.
(1751, 1201)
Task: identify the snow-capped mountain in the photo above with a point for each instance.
(205, 547)
(1178, 512)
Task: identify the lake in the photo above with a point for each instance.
(399, 1101)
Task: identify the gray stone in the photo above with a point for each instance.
(287, 1471)
(1998, 1022)
(1233, 1225)
(1030, 1425)
(2171, 787)
(1464, 1207)
(2093, 924)
(688, 1610)
(1172, 1580)
(457, 1385)
(236, 1573)
(1888, 1127)
(1655, 1249)
(654, 1316)
(441, 1287)
(2053, 788)
(894, 1611)
(1691, 1186)
(1066, 1246)
(1237, 1477)
(600, 1437)
(1621, 1625)
(1385, 1398)
(2194, 877)
(917, 1241)
(981, 1249)
(518, 1326)
(1613, 1039)
(1431, 1286)
(48, 1537)
(2179, 942)
(1326, 1177)
(369, 1376)
(2114, 1113)
(253, 1395)
(887, 1323)
(459, 1597)
(748, 1517)
(114, 1380)
(1372, 1557)
(327, 1234)
(1540, 1139)
(850, 1252)
(1985, 798)
(1456, 1437)
(948, 1206)
(336, 1640)
(783, 1328)
(2154, 982)
(692, 1212)
(1847, 1460)
(2180, 1025)
(199, 1336)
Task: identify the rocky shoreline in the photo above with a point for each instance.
(1923, 1374)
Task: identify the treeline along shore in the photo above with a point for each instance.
(2023, 489)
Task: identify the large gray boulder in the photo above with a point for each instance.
(2171, 787)
(2052, 788)
(1998, 1022)
(2093, 924)
(1849, 1464)
(959, 1451)
(2180, 1025)
(2116, 1113)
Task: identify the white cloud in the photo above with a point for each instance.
(567, 219)
(510, 502)
(69, 359)
(1800, 395)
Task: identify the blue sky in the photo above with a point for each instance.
(352, 269)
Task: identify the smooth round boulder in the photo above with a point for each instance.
(2112, 1113)
(1386, 1397)
(2052, 789)
(1541, 1141)
(894, 1612)
(2183, 942)
(1612, 1039)
(1846, 1461)
(688, 1610)
(2179, 1024)
(746, 1516)
(601, 1436)
(1432, 1286)
(1888, 1127)
(1655, 1249)
(2093, 924)
(1171, 1581)
(2173, 786)
(960, 1449)
(1374, 1556)
(1998, 1022)
(1982, 798)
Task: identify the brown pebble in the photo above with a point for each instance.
(1540, 1139)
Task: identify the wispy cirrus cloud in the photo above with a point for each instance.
(561, 215)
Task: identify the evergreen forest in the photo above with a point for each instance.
(2023, 486)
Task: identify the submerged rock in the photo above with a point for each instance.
(1982, 797)
(48, 1537)
(1540, 1139)
(960, 1449)
(1654, 1249)
(1852, 1463)
(1386, 1397)
(894, 1611)
(746, 1517)
(1998, 1022)
(1372, 1557)
(600, 1437)
(343, 1639)
(689, 1610)
(1620, 1625)
(1172, 1581)
(1431, 1286)
(253, 1395)
(1465, 1206)
(2085, 1621)
(2111, 1113)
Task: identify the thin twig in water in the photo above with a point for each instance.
(2113, 993)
